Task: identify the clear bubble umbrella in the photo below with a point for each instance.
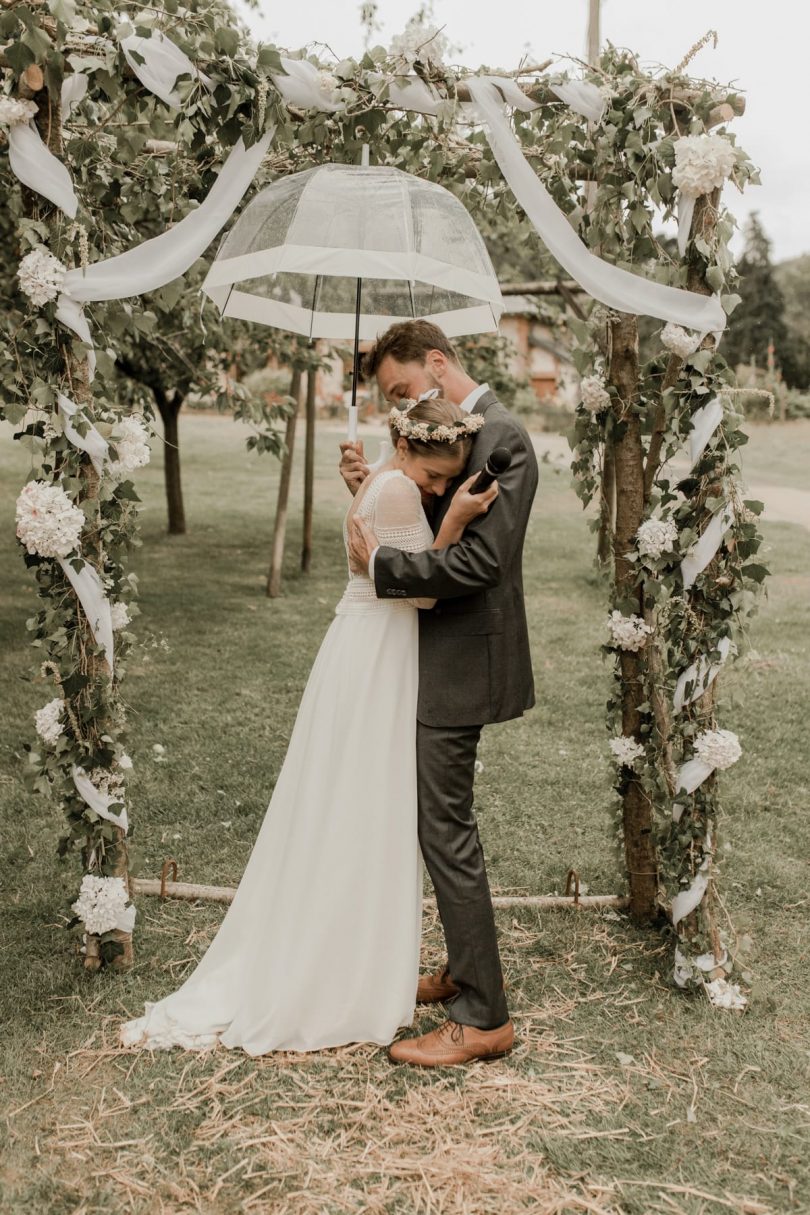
(344, 251)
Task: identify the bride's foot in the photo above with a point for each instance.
(435, 987)
(453, 1043)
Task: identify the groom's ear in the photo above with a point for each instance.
(436, 363)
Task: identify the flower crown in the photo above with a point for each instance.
(432, 432)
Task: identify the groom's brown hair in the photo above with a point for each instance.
(407, 342)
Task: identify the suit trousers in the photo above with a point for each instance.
(448, 838)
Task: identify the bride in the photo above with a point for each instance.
(320, 946)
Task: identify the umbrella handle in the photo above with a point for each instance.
(352, 431)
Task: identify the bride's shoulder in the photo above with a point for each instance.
(396, 484)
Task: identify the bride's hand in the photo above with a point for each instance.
(464, 506)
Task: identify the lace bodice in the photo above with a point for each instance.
(392, 507)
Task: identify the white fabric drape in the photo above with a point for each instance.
(701, 673)
(74, 88)
(98, 801)
(92, 442)
(685, 903)
(701, 553)
(90, 593)
(609, 284)
(163, 62)
(166, 257)
(71, 314)
(704, 423)
(35, 166)
(302, 87)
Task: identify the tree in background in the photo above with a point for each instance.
(793, 279)
(759, 319)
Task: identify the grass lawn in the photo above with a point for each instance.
(621, 1095)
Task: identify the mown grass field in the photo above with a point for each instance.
(621, 1096)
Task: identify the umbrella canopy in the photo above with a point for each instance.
(293, 258)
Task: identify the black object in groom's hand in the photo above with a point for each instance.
(497, 463)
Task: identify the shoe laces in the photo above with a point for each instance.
(455, 1030)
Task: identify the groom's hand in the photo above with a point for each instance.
(353, 468)
(362, 543)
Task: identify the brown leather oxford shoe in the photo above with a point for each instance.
(438, 986)
(453, 1043)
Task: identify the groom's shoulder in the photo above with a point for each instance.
(501, 421)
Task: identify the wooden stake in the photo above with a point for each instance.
(280, 529)
(309, 472)
(224, 894)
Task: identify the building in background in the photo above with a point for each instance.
(540, 357)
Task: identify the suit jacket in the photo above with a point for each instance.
(474, 661)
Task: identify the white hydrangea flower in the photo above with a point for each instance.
(124, 761)
(48, 720)
(101, 902)
(626, 750)
(678, 340)
(120, 616)
(702, 163)
(418, 42)
(723, 994)
(595, 397)
(656, 536)
(13, 111)
(131, 442)
(628, 632)
(718, 748)
(48, 523)
(41, 276)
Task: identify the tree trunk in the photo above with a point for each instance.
(169, 412)
(607, 505)
(87, 704)
(280, 529)
(309, 472)
(639, 845)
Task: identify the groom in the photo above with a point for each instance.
(474, 668)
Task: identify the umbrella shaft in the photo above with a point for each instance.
(356, 369)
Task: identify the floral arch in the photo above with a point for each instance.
(596, 157)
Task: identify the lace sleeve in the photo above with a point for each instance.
(400, 522)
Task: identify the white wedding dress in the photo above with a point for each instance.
(320, 946)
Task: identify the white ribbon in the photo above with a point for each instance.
(702, 552)
(92, 442)
(581, 96)
(301, 86)
(98, 801)
(690, 775)
(701, 674)
(166, 257)
(610, 284)
(163, 62)
(704, 423)
(74, 88)
(35, 166)
(87, 585)
(686, 902)
(71, 314)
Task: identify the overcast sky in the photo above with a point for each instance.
(762, 48)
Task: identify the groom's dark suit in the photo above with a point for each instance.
(474, 668)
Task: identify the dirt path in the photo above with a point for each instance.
(782, 505)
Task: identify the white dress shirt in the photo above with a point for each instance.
(468, 404)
